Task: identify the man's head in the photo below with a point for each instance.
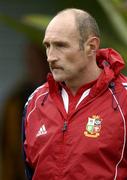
(71, 39)
(85, 23)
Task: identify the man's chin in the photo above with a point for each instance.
(58, 78)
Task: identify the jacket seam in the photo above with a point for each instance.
(124, 138)
(35, 105)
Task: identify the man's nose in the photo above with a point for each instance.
(51, 55)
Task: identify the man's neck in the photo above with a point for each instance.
(88, 77)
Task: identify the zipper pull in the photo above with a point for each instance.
(64, 126)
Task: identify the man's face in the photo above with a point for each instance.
(66, 60)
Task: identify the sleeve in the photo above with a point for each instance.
(28, 170)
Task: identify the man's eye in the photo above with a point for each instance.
(59, 44)
(47, 45)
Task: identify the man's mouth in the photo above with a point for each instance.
(53, 67)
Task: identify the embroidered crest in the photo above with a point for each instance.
(93, 126)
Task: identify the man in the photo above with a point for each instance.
(75, 124)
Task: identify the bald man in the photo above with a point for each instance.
(74, 126)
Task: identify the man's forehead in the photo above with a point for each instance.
(60, 27)
(58, 35)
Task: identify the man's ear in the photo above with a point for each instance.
(92, 45)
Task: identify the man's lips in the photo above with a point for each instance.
(55, 67)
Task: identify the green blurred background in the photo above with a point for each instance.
(24, 21)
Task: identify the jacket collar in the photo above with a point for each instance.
(112, 63)
(110, 57)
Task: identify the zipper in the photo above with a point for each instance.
(61, 160)
(65, 126)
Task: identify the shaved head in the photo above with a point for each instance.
(85, 24)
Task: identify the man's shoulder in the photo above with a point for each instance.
(40, 91)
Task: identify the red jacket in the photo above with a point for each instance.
(88, 142)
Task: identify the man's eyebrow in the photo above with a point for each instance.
(55, 42)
